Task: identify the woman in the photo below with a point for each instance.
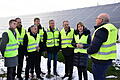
(81, 42)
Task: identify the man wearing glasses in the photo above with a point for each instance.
(67, 48)
(103, 46)
(9, 49)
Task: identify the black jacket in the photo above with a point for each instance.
(100, 36)
(21, 47)
(51, 49)
(81, 59)
(85, 32)
(42, 44)
(25, 43)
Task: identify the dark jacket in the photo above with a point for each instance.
(25, 43)
(21, 47)
(51, 49)
(100, 37)
(81, 59)
(12, 61)
(42, 44)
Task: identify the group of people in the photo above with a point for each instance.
(76, 45)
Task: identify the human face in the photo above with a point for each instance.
(34, 29)
(80, 28)
(52, 24)
(99, 21)
(13, 25)
(37, 22)
(18, 22)
(66, 25)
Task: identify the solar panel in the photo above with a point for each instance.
(86, 15)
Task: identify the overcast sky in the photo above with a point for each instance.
(26, 7)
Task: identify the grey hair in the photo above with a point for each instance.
(105, 17)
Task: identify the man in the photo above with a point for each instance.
(67, 49)
(103, 46)
(32, 47)
(53, 45)
(20, 33)
(41, 32)
(9, 49)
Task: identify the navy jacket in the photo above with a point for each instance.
(100, 36)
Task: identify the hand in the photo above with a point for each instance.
(38, 48)
(45, 52)
(79, 45)
(26, 56)
(60, 50)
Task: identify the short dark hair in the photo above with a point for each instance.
(12, 20)
(65, 21)
(17, 18)
(51, 20)
(36, 19)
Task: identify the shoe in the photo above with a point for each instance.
(20, 78)
(49, 76)
(32, 75)
(65, 76)
(56, 74)
(70, 78)
(42, 73)
(39, 78)
(26, 78)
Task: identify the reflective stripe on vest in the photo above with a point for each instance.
(20, 36)
(108, 49)
(52, 38)
(41, 33)
(82, 40)
(66, 39)
(11, 49)
(32, 43)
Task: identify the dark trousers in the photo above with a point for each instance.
(20, 62)
(50, 54)
(99, 70)
(11, 72)
(82, 69)
(39, 61)
(68, 65)
(33, 60)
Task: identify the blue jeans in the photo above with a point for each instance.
(99, 70)
(50, 55)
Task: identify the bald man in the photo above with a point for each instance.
(103, 46)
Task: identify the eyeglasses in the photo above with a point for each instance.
(98, 18)
(66, 24)
(51, 23)
(19, 22)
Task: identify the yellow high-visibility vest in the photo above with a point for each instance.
(11, 49)
(108, 49)
(41, 33)
(66, 40)
(82, 40)
(52, 38)
(21, 36)
(32, 42)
